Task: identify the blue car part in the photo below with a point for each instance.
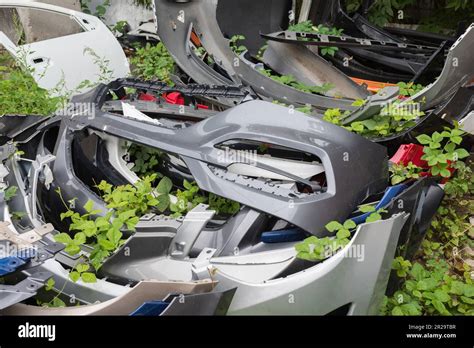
(296, 234)
(151, 308)
(282, 236)
(390, 193)
(10, 264)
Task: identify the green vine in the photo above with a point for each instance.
(19, 92)
(441, 148)
(317, 249)
(290, 80)
(153, 62)
(235, 47)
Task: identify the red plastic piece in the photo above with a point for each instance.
(409, 153)
(412, 153)
(174, 98)
(177, 99)
(147, 97)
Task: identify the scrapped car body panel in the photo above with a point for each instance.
(102, 290)
(360, 279)
(61, 64)
(311, 69)
(161, 264)
(197, 147)
(121, 305)
(303, 170)
(10, 295)
(467, 123)
(457, 71)
(175, 32)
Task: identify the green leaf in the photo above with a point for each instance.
(102, 223)
(153, 202)
(10, 192)
(469, 290)
(396, 179)
(50, 284)
(131, 223)
(450, 147)
(397, 310)
(373, 217)
(422, 285)
(163, 202)
(126, 215)
(63, 238)
(435, 170)
(369, 124)
(445, 173)
(349, 224)
(442, 295)
(366, 208)
(467, 300)
(114, 235)
(107, 244)
(424, 139)
(99, 256)
(359, 102)
(439, 306)
(461, 153)
(86, 226)
(82, 267)
(74, 276)
(88, 277)
(79, 238)
(72, 249)
(411, 308)
(104, 186)
(165, 186)
(66, 214)
(302, 247)
(333, 226)
(429, 295)
(57, 302)
(187, 185)
(343, 233)
(357, 126)
(457, 140)
(437, 137)
(308, 256)
(417, 271)
(89, 206)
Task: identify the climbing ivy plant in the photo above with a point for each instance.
(441, 148)
(440, 280)
(103, 234)
(153, 62)
(291, 81)
(315, 249)
(19, 92)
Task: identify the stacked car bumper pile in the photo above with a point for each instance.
(308, 174)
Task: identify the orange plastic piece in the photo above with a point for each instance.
(372, 86)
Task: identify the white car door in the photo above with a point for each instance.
(61, 63)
